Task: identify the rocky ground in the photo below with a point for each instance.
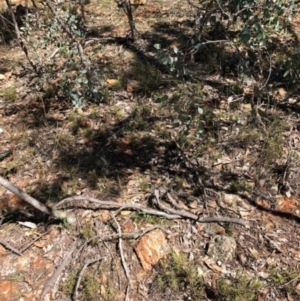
(149, 213)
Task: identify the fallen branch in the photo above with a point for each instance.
(8, 246)
(32, 242)
(51, 281)
(128, 235)
(173, 214)
(28, 199)
(189, 215)
(116, 205)
(75, 295)
(124, 264)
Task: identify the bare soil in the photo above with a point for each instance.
(243, 165)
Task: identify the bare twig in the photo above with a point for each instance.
(195, 217)
(173, 214)
(115, 205)
(129, 235)
(51, 281)
(20, 41)
(8, 246)
(292, 280)
(75, 295)
(270, 71)
(121, 250)
(173, 202)
(32, 242)
(27, 198)
(124, 264)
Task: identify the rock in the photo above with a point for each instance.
(222, 248)
(151, 248)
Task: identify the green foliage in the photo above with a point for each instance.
(281, 277)
(255, 24)
(273, 143)
(245, 34)
(91, 288)
(180, 275)
(188, 113)
(69, 284)
(139, 217)
(88, 233)
(64, 61)
(172, 60)
(9, 94)
(240, 288)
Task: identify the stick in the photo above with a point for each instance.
(27, 198)
(51, 281)
(115, 205)
(75, 295)
(175, 214)
(195, 217)
(8, 246)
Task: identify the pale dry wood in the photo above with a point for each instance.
(27, 198)
(116, 205)
(189, 215)
(124, 264)
(8, 246)
(75, 295)
(172, 213)
(51, 281)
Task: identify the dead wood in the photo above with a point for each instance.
(51, 281)
(27, 198)
(167, 212)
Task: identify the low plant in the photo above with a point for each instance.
(75, 77)
(240, 288)
(88, 232)
(180, 276)
(9, 94)
(70, 282)
(139, 217)
(280, 278)
(173, 60)
(91, 288)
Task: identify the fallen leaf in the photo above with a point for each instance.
(8, 74)
(111, 82)
(28, 224)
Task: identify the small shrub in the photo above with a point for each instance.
(240, 288)
(181, 276)
(9, 94)
(75, 77)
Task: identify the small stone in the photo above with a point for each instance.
(151, 248)
(222, 248)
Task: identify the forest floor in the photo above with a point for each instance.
(156, 213)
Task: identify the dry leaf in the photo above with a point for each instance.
(28, 225)
(111, 82)
(254, 253)
(132, 86)
(125, 212)
(8, 74)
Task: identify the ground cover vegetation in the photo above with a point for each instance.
(156, 149)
